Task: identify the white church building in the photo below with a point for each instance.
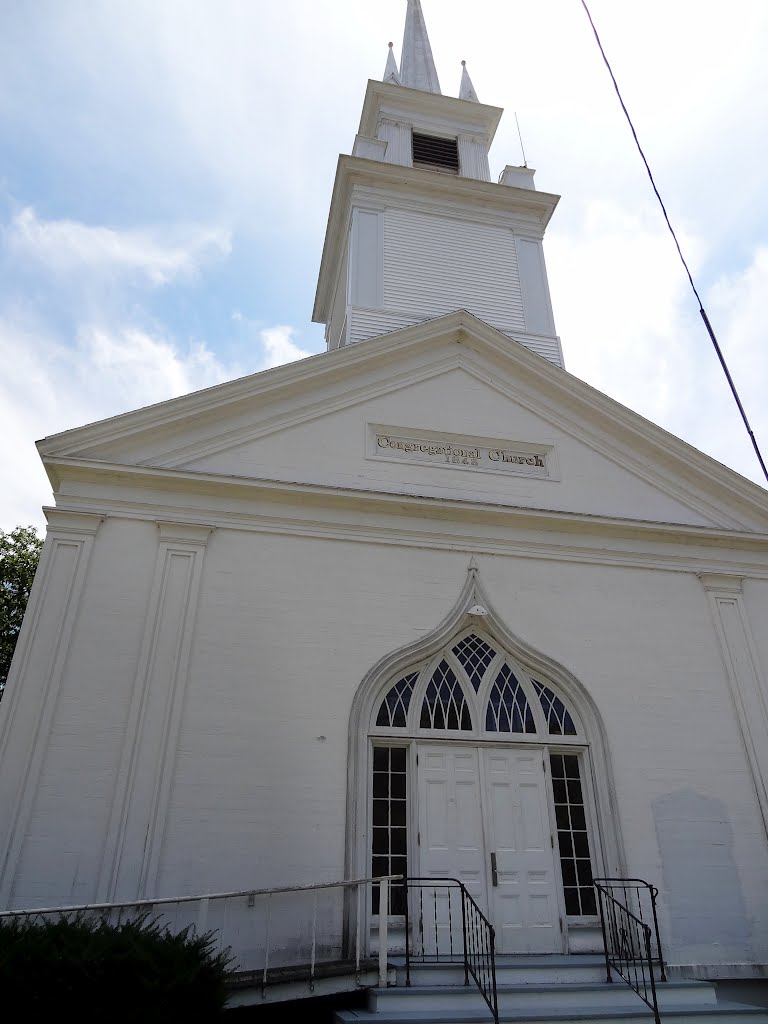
(424, 604)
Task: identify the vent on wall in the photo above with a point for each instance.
(440, 154)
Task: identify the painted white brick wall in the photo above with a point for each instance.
(286, 628)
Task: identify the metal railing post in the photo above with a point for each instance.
(654, 894)
(266, 944)
(314, 943)
(464, 935)
(608, 977)
(383, 937)
(495, 1006)
(202, 915)
(358, 915)
(656, 1016)
(407, 935)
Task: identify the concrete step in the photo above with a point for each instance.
(519, 998)
(511, 970)
(721, 1013)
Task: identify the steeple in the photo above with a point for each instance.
(417, 67)
(418, 228)
(391, 74)
(466, 90)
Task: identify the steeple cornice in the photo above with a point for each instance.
(383, 99)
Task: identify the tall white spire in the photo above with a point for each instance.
(467, 90)
(391, 74)
(417, 67)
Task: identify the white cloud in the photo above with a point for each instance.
(736, 308)
(280, 347)
(158, 256)
(133, 367)
(630, 327)
(111, 369)
(33, 403)
(54, 387)
(620, 295)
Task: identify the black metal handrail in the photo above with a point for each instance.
(437, 938)
(645, 900)
(627, 942)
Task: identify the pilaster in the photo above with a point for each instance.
(473, 158)
(745, 675)
(39, 662)
(143, 788)
(399, 146)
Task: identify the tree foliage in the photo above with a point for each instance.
(135, 972)
(19, 554)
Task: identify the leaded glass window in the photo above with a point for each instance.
(390, 823)
(474, 656)
(393, 711)
(445, 706)
(556, 714)
(508, 708)
(572, 838)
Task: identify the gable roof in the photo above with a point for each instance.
(176, 433)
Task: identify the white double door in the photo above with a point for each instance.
(484, 819)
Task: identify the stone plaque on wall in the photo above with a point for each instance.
(437, 448)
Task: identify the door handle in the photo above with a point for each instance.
(494, 871)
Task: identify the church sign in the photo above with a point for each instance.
(442, 449)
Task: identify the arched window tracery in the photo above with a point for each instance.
(474, 686)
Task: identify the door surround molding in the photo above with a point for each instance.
(474, 608)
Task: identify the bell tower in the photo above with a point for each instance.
(417, 229)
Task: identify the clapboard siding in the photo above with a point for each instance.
(372, 323)
(542, 344)
(434, 265)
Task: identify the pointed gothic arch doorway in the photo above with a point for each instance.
(473, 756)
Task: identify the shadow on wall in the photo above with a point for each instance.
(703, 891)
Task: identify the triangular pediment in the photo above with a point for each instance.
(448, 409)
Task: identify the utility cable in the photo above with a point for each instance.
(704, 316)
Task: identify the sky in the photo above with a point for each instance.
(166, 170)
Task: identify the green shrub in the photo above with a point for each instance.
(93, 971)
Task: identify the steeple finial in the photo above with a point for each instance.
(391, 74)
(467, 90)
(417, 67)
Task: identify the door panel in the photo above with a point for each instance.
(473, 803)
(451, 843)
(524, 900)
(450, 819)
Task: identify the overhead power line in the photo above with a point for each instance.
(702, 311)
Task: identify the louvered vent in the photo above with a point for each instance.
(442, 154)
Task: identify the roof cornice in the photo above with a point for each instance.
(399, 503)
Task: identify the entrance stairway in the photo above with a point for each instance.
(542, 990)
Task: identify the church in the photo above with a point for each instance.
(422, 605)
